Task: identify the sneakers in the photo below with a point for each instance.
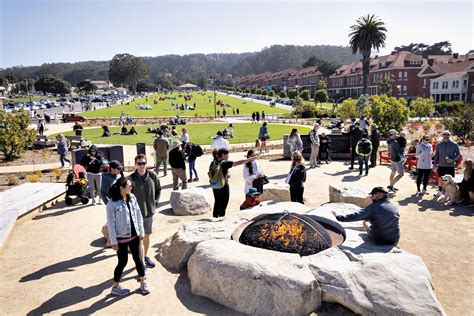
(418, 193)
(390, 189)
(424, 192)
(190, 180)
(149, 263)
(144, 288)
(351, 168)
(438, 193)
(119, 291)
(196, 179)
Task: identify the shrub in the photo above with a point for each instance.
(253, 90)
(445, 107)
(247, 90)
(309, 111)
(34, 177)
(422, 107)
(348, 109)
(45, 154)
(321, 95)
(258, 91)
(264, 91)
(282, 94)
(15, 136)
(12, 180)
(388, 112)
(461, 121)
(305, 95)
(292, 94)
(271, 93)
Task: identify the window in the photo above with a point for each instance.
(405, 90)
(435, 85)
(456, 84)
(400, 75)
(464, 84)
(405, 76)
(415, 62)
(444, 85)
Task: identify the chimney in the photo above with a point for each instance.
(455, 55)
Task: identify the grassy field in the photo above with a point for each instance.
(30, 98)
(199, 133)
(163, 108)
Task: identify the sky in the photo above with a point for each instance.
(33, 32)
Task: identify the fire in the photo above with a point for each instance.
(289, 231)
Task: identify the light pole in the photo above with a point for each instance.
(213, 79)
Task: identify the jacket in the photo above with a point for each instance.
(324, 143)
(295, 143)
(161, 146)
(446, 149)
(263, 130)
(91, 163)
(364, 147)
(108, 180)
(313, 137)
(249, 202)
(62, 147)
(250, 177)
(119, 221)
(355, 135)
(147, 190)
(423, 153)
(298, 176)
(375, 138)
(396, 152)
(176, 159)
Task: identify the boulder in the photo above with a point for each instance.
(325, 210)
(244, 279)
(359, 197)
(193, 201)
(278, 192)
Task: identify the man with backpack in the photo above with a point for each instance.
(314, 139)
(363, 150)
(218, 178)
(178, 166)
(192, 151)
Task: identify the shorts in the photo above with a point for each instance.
(397, 166)
(262, 139)
(445, 170)
(148, 225)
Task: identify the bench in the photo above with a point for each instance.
(77, 141)
(384, 155)
(42, 142)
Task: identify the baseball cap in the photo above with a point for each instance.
(115, 164)
(378, 190)
(219, 133)
(392, 132)
(446, 132)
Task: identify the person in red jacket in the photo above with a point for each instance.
(251, 199)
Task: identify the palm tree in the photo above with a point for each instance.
(367, 34)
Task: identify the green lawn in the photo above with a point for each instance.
(163, 108)
(326, 105)
(30, 98)
(199, 133)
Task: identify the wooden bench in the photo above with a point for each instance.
(42, 142)
(77, 141)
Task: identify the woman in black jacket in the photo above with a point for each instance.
(297, 177)
(92, 162)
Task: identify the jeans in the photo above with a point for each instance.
(423, 174)
(122, 255)
(365, 161)
(64, 158)
(192, 167)
(221, 199)
(95, 181)
(296, 194)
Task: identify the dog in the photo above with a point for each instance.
(451, 191)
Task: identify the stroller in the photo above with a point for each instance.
(77, 185)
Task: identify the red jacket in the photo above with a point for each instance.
(250, 202)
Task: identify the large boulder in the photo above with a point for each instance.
(242, 278)
(326, 210)
(278, 192)
(190, 202)
(352, 195)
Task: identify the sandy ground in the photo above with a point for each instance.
(56, 262)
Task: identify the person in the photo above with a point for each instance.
(126, 231)
(219, 142)
(424, 152)
(263, 116)
(62, 149)
(178, 166)
(92, 162)
(109, 178)
(324, 147)
(40, 126)
(363, 123)
(446, 154)
(363, 150)
(297, 177)
(413, 146)
(263, 135)
(355, 135)
(257, 116)
(253, 117)
(402, 141)
(147, 189)
(396, 160)
(253, 174)
(375, 140)
(161, 146)
(106, 132)
(251, 199)
(383, 216)
(185, 136)
(219, 179)
(467, 183)
(230, 130)
(295, 142)
(77, 128)
(192, 151)
(315, 142)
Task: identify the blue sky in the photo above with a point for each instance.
(39, 31)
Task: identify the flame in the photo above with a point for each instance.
(286, 232)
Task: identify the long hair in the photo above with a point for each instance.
(297, 158)
(114, 190)
(249, 164)
(467, 169)
(294, 131)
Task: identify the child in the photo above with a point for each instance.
(251, 199)
(402, 141)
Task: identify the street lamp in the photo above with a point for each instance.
(213, 80)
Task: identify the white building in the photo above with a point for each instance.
(451, 86)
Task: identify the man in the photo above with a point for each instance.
(147, 190)
(184, 136)
(446, 154)
(355, 135)
(219, 169)
(363, 150)
(77, 128)
(313, 136)
(219, 142)
(109, 178)
(375, 140)
(178, 166)
(161, 146)
(384, 228)
(363, 123)
(396, 160)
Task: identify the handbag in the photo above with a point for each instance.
(264, 180)
(266, 136)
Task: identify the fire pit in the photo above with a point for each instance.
(290, 232)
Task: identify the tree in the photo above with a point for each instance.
(347, 109)
(308, 111)
(258, 91)
(440, 48)
(271, 93)
(264, 92)
(253, 90)
(247, 90)
(367, 34)
(50, 84)
(126, 69)
(461, 122)
(293, 94)
(282, 94)
(320, 96)
(86, 86)
(10, 76)
(325, 67)
(422, 107)
(322, 84)
(388, 112)
(15, 136)
(384, 85)
(305, 95)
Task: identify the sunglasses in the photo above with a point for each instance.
(141, 163)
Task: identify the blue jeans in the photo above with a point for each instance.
(365, 160)
(63, 158)
(192, 166)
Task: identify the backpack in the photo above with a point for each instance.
(364, 147)
(216, 177)
(198, 150)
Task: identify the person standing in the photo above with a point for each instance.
(253, 117)
(446, 154)
(314, 139)
(62, 149)
(295, 142)
(355, 135)
(263, 116)
(147, 189)
(375, 140)
(363, 150)
(396, 160)
(219, 142)
(324, 147)
(92, 162)
(253, 173)
(126, 231)
(257, 116)
(424, 153)
(219, 179)
(178, 166)
(161, 146)
(192, 151)
(109, 178)
(185, 136)
(263, 135)
(296, 178)
(77, 128)
(40, 126)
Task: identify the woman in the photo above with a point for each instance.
(62, 149)
(295, 142)
(125, 224)
(92, 162)
(467, 184)
(297, 177)
(253, 174)
(40, 127)
(263, 136)
(424, 152)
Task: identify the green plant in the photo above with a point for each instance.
(12, 180)
(292, 94)
(348, 109)
(282, 94)
(460, 123)
(422, 107)
(309, 110)
(271, 93)
(388, 112)
(321, 96)
(15, 136)
(305, 95)
(45, 154)
(34, 176)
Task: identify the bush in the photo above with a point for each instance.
(388, 112)
(292, 94)
(461, 121)
(305, 95)
(309, 111)
(264, 91)
(348, 109)
(12, 180)
(34, 177)
(253, 90)
(321, 95)
(445, 107)
(258, 91)
(422, 107)
(247, 90)
(15, 136)
(271, 93)
(282, 94)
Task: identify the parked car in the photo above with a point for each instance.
(72, 117)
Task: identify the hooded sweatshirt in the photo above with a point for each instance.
(445, 150)
(423, 152)
(92, 163)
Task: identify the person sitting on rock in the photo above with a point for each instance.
(251, 199)
(384, 228)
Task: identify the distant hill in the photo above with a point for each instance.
(195, 67)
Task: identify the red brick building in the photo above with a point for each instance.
(307, 78)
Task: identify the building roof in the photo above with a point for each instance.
(453, 75)
(187, 86)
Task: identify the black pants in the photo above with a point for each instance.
(221, 199)
(353, 155)
(122, 255)
(423, 174)
(258, 184)
(373, 156)
(464, 188)
(296, 194)
(323, 152)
